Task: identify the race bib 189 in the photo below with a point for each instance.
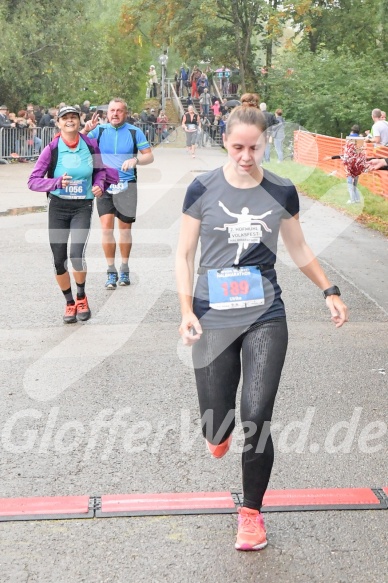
(76, 189)
(235, 288)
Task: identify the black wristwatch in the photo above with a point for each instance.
(331, 291)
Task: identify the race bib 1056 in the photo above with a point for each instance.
(76, 189)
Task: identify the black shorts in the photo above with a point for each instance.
(122, 204)
(69, 219)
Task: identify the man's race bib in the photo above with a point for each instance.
(116, 188)
(235, 288)
(76, 189)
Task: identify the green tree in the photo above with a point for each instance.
(68, 52)
(356, 24)
(328, 91)
(38, 56)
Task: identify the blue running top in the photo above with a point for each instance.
(116, 145)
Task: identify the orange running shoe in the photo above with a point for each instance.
(69, 317)
(220, 450)
(83, 310)
(251, 535)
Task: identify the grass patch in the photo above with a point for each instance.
(313, 182)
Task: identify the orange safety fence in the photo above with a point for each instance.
(311, 149)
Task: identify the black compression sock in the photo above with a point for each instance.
(68, 295)
(80, 291)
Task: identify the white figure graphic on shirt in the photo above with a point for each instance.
(246, 231)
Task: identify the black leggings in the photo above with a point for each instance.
(218, 369)
(65, 218)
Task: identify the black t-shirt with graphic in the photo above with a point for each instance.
(239, 227)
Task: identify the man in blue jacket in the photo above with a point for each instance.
(119, 143)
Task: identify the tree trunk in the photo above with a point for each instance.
(239, 51)
(242, 75)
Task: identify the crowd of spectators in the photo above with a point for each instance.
(32, 126)
(194, 82)
(25, 142)
(28, 143)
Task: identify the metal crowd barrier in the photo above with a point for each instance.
(24, 143)
(27, 143)
(177, 104)
(210, 135)
(158, 133)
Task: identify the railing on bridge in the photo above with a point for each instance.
(176, 102)
(217, 92)
(170, 89)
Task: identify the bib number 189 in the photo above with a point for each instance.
(235, 288)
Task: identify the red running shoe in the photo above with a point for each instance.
(220, 450)
(251, 535)
(83, 310)
(69, 317)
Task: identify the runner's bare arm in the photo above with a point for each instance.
(146, 157)
(190, 328)
(305, 259)
(90, 124)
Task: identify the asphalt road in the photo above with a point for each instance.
(110, 406)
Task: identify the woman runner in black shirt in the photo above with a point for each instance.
(235, 318)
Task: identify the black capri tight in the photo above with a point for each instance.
(217, 360)
(69, 218)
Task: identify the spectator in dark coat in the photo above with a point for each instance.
(5, 122)
(152, 120)
(48, 119)
(271, 120)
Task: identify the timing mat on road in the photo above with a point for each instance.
(164, 504)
